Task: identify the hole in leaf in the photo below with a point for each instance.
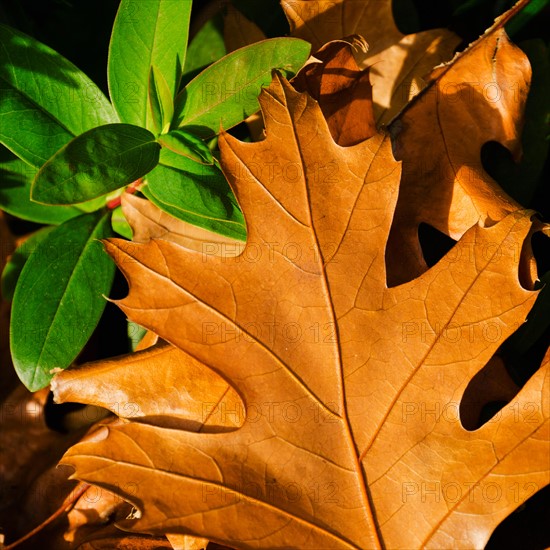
(497, 161)
(501, 379)
(491, 389)
(434, 243)
(541, 250)
(527, 526)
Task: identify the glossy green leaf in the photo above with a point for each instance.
(227, 92)
(188, 145)
(97, 162)
(161, 102)
(146, 33)
(13, 268)
(206, 47)
(45, 100)
(16, 177)
(59, 298)
(199, 195)
(120, 225)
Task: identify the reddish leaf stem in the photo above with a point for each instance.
(132, 188)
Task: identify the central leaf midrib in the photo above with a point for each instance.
(368, 508)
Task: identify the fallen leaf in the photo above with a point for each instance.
(349, 438)
(195, 391)
(398, 62)
(150, 222)
(343, 91)
(491, 384)
(477, 98)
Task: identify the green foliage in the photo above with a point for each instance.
(71, 149)
(45, 101)
(196, 193)
(12, 270)
(16, 177)
(206, 47)
(187, 145)
(145, 34)
(58, 298)
(161, 102)
(95, 163)
(227, 92)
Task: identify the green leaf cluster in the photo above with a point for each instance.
(69, 151)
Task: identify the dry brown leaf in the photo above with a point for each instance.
(351, 437)
(149, 222)
(185, 391)
(398, 62)
(343, 91)
(479, 97)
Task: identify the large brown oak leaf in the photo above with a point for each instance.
(349, 435)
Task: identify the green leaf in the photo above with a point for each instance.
(120, 225)
(135, 334)
(146, 33)
(59, 298)
(97, 162)
(206, 47)
(188, 145)
(13, 268)
(227, 92)
(199, 195)
(15, 191)
(161, 102)
(44, 99)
